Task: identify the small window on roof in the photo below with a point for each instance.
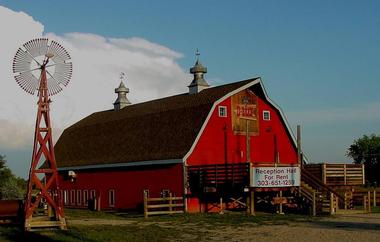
(266, 115)
(222, 111)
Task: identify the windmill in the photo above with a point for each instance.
(43, 66)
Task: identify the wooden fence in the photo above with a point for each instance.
(162, 205)
(338, 174)
(372, 193)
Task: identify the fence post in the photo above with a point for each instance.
(374, 197)
(221, 206)
(345, 174)
(170, 202)
(369, 201)
(324, 178)
(365, 203)
(331, 203)
(345, 200)
(314, 204)
(145, 204)
(336, 204)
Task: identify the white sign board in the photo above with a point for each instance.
(288, 176)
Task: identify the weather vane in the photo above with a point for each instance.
(122, 76)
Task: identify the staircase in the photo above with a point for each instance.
(321, 198)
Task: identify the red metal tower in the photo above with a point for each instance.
(43, 150)
(39, 58)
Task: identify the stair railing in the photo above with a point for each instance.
(317, 184)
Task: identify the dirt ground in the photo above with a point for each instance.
(358, 227)
(355, 227)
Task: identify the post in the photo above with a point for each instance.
(221, 206)
(345, 174)
(252, 203)
(248, 203)
(145, 203)
(369, 201)
(314, 204)
(363, 173)
(280, 206)
(331, 203)
(345, 200)
(299, 145)
(365, 204)
(374, 197)
(248, 143)
(324, 173)
(170, 203)
(184, 173)
(336, 204)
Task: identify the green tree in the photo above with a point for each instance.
(11, 187)
(2, 161)
(366, 150)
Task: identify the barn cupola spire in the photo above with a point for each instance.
(198, 83)
(122, 100)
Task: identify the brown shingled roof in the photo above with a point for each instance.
(156, 130)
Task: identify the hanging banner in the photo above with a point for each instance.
(288, 176)
(244, 113)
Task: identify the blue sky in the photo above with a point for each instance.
(319, 60)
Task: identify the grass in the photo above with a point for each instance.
(184, 227)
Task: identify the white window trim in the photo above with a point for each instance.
(85, 197)
(266, 112)
(79, 197)
(111, 192)
(72, 197)
(65, 197)
(225, 111)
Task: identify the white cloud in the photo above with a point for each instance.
(151, 70)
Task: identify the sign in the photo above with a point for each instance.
(245, 113)
(279, 200)
(288, 176)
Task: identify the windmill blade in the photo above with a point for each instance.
(63, 72)
(60, 54)
(53, 85)
(37, 47)
(21, 61)
(28, 82)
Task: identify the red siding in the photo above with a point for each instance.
(128, 184)
(218, 143)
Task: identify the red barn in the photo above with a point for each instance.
(201, 145)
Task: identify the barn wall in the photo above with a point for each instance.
(128, 184)
(218, 144)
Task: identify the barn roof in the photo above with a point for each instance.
(161, 129)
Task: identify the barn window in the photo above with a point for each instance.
(111, 198)
(266, 115)
(72, 197)
(85, 198)
(65, 198)
(79, 197)
(222, 111)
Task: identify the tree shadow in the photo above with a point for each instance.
(350, 226)
(17, 234)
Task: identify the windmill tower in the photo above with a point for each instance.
(43, 66)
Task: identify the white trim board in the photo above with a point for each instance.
(128, 164)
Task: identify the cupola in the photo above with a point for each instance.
(198, 83)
